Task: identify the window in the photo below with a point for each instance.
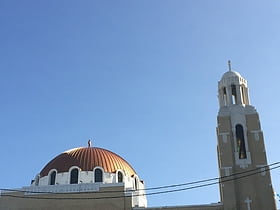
(240, 141)
(136, 183)
(74, 174)
(52, 178)
(120, 177)
(98, 175)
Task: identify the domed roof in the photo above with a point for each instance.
(87, 158)
(229, 74)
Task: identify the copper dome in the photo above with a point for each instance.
(87, 158)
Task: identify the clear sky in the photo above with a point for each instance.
(138, 77)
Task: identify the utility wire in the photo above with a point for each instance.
(148, 194)
(212, 179)
(155, 188)
(209, 184)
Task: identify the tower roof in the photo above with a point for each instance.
(232, 77)
(232, 89)
(87, 158)
(230, 74)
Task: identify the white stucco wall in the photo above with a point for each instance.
(132, 185)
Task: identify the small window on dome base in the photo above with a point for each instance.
(136, 183)
(74, 174)
(120, 177)
(98, 175)
(52, 178)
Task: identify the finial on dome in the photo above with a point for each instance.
(89, 143)
(229, 65)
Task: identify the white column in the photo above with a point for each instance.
(229, 95)
(238, 95)
(247, 96)
(221, 98)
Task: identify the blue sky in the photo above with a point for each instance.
(137, 77)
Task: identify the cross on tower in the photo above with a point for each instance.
(248, 202)
(229, 65)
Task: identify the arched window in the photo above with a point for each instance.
(52, 178)
(120, 177)
(98, 175)
(74, 174)
(136, 183)
(240, 141)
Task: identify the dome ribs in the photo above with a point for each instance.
(117, 163)
(90, 159)
(87, 158)
(113, 161)
(82, 159)
(78, 156)
(94, 159)
(105, 162)
(99, 159)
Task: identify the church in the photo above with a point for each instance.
(95, 178)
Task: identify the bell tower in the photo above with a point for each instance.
(245, 178)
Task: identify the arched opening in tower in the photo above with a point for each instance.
(224, 96)
(233, 94)
(241, 147)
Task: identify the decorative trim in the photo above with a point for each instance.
(224, 136)
(262, 169)
(226, 170)
(256, 134)
(67, 188)
(243, 163)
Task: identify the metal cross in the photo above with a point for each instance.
(229, 65)
(248, 202)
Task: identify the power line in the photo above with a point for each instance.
(152, 193)
(212, 179)
(156, 188)
(209, 184)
